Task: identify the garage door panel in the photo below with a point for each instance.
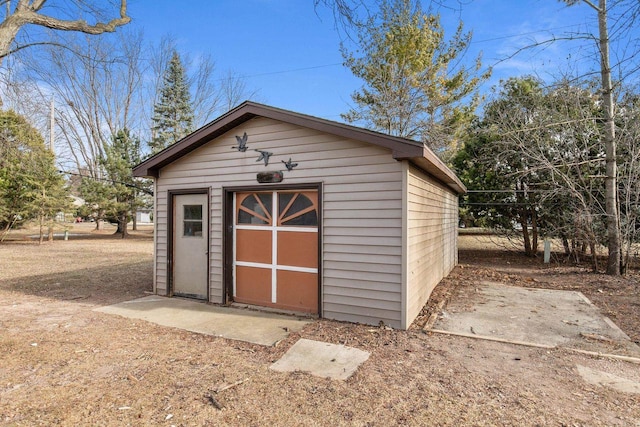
(298, 291)
(254, 246)
(253, 285)
(299, 249)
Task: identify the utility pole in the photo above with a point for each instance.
(52, 148)
(52, 123)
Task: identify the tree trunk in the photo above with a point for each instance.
(611, 185)
(122, 225)
(594, 255)
(575, 253)
(626, 254)
(565, 244)
(41, 229)
(9, 223)
(99, 221)
(8, 32)
(534, 232)
(525, 232)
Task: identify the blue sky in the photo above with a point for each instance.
(289, 52)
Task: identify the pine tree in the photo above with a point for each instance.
(115, 198)
(123, 154)
(412, 85)
(30, 185)
(172, 113)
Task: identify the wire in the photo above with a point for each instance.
(112, 181)
(293, 70)
(524, 34)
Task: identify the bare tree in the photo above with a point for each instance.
(616, 17)
(21, 13)
(549, 140)
(628, 124)
(609, 137)
(233, 90)
(101, 85)
(347, 14)
(205, 96)
(96, 84)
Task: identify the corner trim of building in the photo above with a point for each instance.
(404, 321)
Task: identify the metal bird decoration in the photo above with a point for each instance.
(264, 155)
(289, 165)
(242, 143)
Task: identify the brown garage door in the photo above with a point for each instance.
(276, 249)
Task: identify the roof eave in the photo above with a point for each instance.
(402, 149)
(426, 160)
(151, 166)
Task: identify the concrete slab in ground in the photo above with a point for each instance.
(195, 316)
(534, 316)
(321, 359)
(606, 379)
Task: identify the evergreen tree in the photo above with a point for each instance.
(30, 185)
(120, 157)
(413, 85)
(172, 113)
(98, 199)
(534, 159)
(117, 198)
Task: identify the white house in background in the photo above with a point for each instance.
(143, 216)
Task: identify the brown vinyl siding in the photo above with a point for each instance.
(432, 221)
(362, 210)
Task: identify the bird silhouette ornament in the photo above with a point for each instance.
(264, 155)
(242, 143)
(289, 165)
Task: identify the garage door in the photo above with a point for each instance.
(276, 249)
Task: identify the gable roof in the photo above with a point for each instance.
(401, 148)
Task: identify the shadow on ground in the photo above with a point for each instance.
(99, 285)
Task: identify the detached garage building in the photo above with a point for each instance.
(277, 209)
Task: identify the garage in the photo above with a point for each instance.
(276, 209)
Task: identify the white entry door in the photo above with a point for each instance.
(190, 245)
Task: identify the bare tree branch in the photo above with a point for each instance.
(28, 13)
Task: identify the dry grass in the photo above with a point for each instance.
(64, 364)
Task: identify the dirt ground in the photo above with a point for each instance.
(63, 364)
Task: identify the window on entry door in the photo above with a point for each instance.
(192, 222)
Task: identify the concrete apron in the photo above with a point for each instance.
(537, 317)
(195, 316)
(317, 358)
